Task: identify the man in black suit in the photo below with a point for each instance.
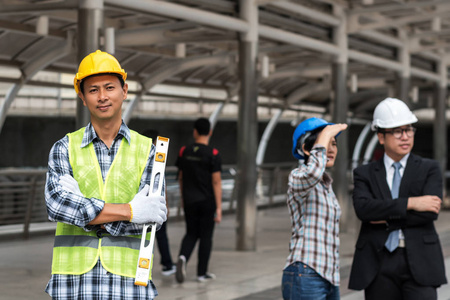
(398, 253)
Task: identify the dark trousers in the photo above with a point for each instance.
(395, 282)
(163, 246)
(199, 218)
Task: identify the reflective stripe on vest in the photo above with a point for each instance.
(92, 242)
(76, 241)
(77, 251)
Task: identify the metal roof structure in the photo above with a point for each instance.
(195, 43)
(335, 58)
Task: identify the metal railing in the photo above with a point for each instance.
(22, 201)
(22, 197)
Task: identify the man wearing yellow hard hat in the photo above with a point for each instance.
(97, 190)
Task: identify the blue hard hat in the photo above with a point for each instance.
(308, 125)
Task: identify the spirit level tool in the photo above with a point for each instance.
(145, 260)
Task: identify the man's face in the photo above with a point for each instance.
(397, 145)
(103, 96)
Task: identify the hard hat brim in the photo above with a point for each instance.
(97, 63)
(77, 81)
(307, 126)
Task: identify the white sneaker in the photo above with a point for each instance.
(180, 274)
(206, 277)
(169, 271)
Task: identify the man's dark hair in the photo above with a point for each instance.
(122, 83)
(202, 126)
(381, 130)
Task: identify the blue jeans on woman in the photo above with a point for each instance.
(300, 282)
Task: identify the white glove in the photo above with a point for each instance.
(148, 208)
(69, 184)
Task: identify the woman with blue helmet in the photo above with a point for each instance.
(312, 267)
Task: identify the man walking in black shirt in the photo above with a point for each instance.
(201, 197)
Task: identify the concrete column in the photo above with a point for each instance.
(110, 40)
(340, 112)
(247, 131)
(440, 123)
(440, 127)
(402, 90)
(341, 165)
(90, 26)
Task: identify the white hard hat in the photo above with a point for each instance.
(391, 113)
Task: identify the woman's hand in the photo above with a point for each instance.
(330, 132)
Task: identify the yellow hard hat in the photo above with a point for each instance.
(97, 62)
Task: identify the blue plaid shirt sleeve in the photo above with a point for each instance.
(63, 206)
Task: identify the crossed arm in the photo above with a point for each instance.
(415, 210)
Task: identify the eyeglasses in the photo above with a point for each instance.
(398, 132)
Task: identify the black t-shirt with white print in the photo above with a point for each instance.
(198, 162)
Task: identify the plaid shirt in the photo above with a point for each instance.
(73, 209)
(315, 214)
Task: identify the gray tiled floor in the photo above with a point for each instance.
(251, 275)
(274, 294)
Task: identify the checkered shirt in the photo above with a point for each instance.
(315, 214)
(79, 211)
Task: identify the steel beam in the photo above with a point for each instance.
(266, 136)
(303, 92)
(375, 61)
(182, 12)
(381, 38)
(166, 71)
(359, 144)
(215, 115)
(280, 35)
(36, 64)
(307, 12)
(368, 154)
(228, 23)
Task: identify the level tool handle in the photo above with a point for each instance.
(145, 260)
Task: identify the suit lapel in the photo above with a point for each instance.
(408, 174)
(380, 178)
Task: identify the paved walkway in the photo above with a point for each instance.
(25, 265)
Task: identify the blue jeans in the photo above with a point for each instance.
(300, 282)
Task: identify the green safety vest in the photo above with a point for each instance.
(77, 251)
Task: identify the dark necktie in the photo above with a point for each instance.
(392, 240)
